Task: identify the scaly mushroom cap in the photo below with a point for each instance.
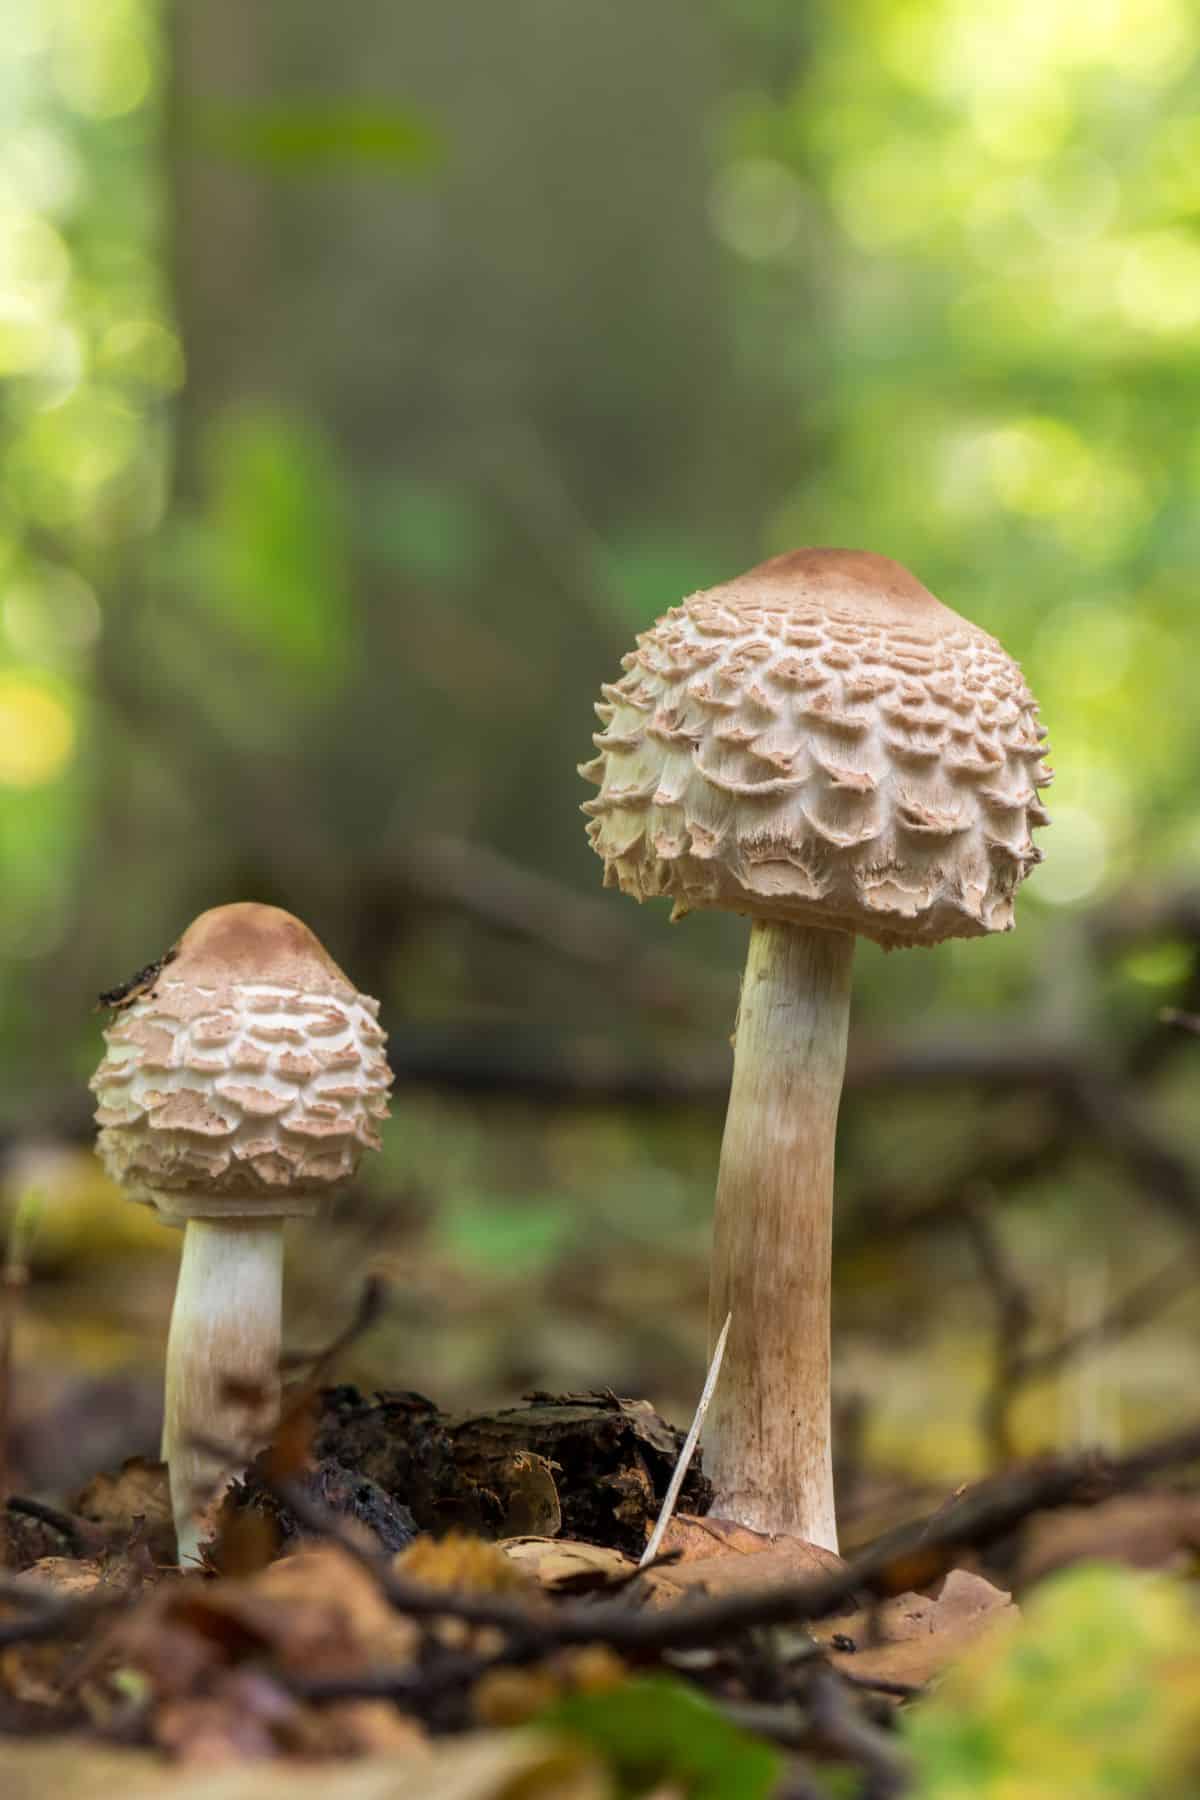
(822, 741)
(247, 1078)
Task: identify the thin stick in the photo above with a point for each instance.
(13, 1280)
(974, 1519)
(688, 1451)
(80, 1534)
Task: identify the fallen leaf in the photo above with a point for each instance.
(560, 1566)
(370, 1728)
(658, 1732)
(463, 1563)
(41, 1674)
(250, 1719)
(913, 1637)
(526, 1483)
(515, 1696)
(246, 1716)
(317, 1612)
(139, 1491)
(69, 1577)
(723, 1558)
(697, 1539)
(326, 1574)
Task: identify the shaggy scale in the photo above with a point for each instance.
(822, 741)
(245, 1090)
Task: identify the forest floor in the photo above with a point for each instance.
(403, 1600)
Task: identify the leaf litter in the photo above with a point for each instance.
(399, 1602)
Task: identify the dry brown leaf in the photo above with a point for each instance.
(1147, 1531)
(510, 1765)
(371, 1728)
(697, 1539)
(70, 1577)
(245, 1716)
(317, 1612)
(559, 1565)
(462, 1563)
(723, 1558)
(530, 1494)
(515, 1696)
(912, 1637)
(113, 1573)
(138, 1490)
(329, 1576)
(35, 1673)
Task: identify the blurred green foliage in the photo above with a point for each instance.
(1094, 1693)
(272, 556)
(964, 243)
(1005, 201)
(88, 359)
(660, 1732)
(302, 138)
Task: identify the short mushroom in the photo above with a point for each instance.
(823, 746)
(242, 1080)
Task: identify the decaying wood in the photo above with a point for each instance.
(608, 1462)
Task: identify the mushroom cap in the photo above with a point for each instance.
(822, 741)
(246, 1078)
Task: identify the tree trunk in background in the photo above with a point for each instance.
(540, 324)
(218, 223)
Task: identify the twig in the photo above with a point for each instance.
(13, 1279)
(41, 1627)
(1014, 1318)
(1138, 1307)
(372, 1301)
(79, 1533)
(1015, 1364)
(798, 1784)
(844, 1731)
(32, 1594)
(490, 889)
(875, 1684)
(918, 1551)
(48, 1615)
(406, 1686)
(689, 1449)
(789, 1726)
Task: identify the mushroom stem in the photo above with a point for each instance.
(768, 1439)
(222, 1390)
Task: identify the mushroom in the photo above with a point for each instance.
(824, 747)
(243, 1078)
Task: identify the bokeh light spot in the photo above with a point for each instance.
(37, 732)
(1079, 863)
(756, 207)
(51, 617)
(1158, 282)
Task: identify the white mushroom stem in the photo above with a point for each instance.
(768, 1437)
(222, 1389)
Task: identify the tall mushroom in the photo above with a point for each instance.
(823, 746)
(242, 1080)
